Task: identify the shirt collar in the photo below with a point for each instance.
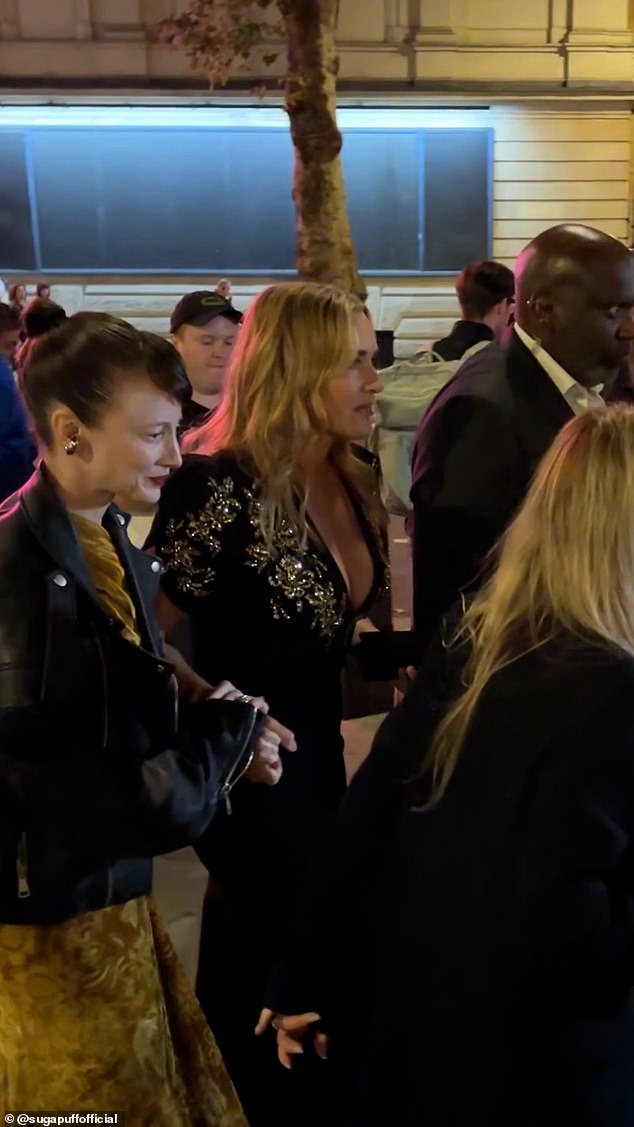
(560, 377)
(569, 387)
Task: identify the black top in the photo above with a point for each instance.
(462, 337)
(474, 455)
(193, 415)
(493, 936)
(273, 624)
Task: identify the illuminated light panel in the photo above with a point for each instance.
(223, 117)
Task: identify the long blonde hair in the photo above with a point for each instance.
(566, 563)
(295, 337)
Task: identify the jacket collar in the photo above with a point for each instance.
(534, 386)
(50, 524)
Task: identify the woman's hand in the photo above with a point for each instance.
(406, 678)
(362, 626)
(291, 1031)
(226, 691)
(267, 765)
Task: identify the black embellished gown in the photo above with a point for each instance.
(276, 625)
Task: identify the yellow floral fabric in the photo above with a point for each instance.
(96, 1013)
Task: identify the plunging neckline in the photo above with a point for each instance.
(370, 542)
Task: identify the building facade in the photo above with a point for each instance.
(553, 81)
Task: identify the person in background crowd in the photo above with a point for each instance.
(9, 333)
(224, 288)
(272, 539)
(41, 315)
(480, 440)
(43, 290)
(465, 949)
(17, 296)
(17, 446)
(203, 329)
(486, 295)
(96, 774)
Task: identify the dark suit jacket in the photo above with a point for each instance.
(476, 450)
(474, 963)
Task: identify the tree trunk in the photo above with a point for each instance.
(325, 252)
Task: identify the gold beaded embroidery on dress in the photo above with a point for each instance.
(297, 578)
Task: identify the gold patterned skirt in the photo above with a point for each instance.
(96, 1014)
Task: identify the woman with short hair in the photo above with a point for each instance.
(96, 773)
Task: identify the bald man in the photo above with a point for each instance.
(482, 437)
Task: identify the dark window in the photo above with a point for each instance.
(456, 198)
(382, 174)
(159, 200)
(17, 251)
(163, 200)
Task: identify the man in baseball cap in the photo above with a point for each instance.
(203, 328)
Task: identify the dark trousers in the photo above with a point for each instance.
(235, 958)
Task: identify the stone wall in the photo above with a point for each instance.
(431, 42)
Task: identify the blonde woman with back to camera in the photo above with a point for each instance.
(482, 871)
(272, 540)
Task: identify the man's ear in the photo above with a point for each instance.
(543, 308)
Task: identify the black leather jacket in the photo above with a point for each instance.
(96, 774)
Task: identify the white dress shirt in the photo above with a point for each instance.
(579, 398)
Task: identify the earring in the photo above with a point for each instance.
(71, 444)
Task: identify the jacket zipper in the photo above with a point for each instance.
(22, 868)
(238, 770)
